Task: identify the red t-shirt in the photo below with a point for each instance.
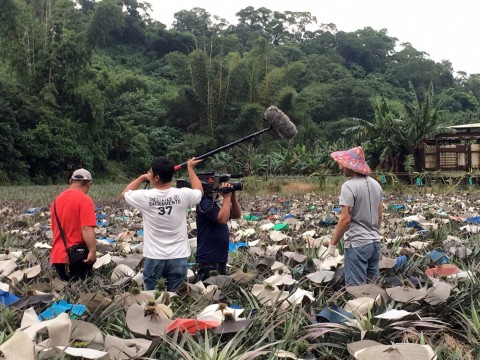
(74, 210)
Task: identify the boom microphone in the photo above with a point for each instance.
(280, 122)
(276, 119)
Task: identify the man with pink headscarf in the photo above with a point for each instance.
(360, 218)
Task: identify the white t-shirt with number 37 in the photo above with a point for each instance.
(164, 215)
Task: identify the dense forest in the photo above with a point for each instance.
(102, 85)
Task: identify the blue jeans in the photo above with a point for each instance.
(361, 263)
(172, 270)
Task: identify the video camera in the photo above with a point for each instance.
(211, 182)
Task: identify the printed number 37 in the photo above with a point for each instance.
(162, 210)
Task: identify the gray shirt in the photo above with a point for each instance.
(363, 194)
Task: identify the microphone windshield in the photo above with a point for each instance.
(280, 122)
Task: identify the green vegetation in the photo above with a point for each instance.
(103, 86)
(318, 183)
(36, 195)
(43, 195)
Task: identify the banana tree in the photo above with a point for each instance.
(421, 121)
(383, 138)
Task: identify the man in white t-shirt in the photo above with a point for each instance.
(164, 213)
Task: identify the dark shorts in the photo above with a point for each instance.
(78, 270)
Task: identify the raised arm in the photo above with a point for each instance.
(135, 184)
(194, 180)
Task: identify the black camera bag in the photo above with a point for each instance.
(75, 253)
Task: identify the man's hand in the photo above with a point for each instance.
(193, 162)
(148, 177)
(91, 258)
(227, 194)
(135, 184)
(332, 250)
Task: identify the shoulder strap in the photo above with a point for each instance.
(62, 234)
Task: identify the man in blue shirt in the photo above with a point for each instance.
(213, 235)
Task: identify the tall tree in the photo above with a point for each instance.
(368, 48)
(410, 65)
(108, 17)
(20, 36)
(196, 21)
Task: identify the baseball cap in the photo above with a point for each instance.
(81, 174)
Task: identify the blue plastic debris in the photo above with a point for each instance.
(396, 207)
(140, 232)
(438, 257)
(33, 211)
(102, 223)
(7, 298)
(334, 314)
(102, 216)
(329, 220)
(288, 216)
(234, 246)
(109, 240)
(61, 307)
(473, 220)
(425, 233)
(414, 224)
(235, 306)
(401, 262)
(337, 209)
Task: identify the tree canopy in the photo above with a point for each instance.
(100, 84)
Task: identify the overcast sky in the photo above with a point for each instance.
(445, 29)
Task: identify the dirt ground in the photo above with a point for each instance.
(298, 188)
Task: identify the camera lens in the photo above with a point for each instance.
(237, 186)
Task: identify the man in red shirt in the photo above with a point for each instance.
(76, 213)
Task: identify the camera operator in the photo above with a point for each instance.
(213, 235)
